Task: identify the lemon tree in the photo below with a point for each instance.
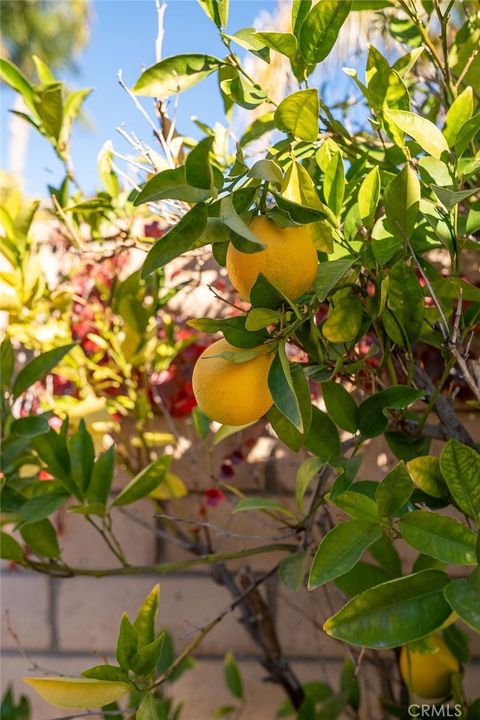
(348, 240)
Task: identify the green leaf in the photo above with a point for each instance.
(178, 240)
(10, 549)
(175, 74)
(292, 570)
(146, 481)
(259, 318)
(226, 431)
(361, 577)
(393, 491)
(146, 658)
(171, 185)
(334, 183)
(82, 457)
(298, 114)
(299, 188)
(48, 101)
(393, 613)
(450, 198)
(198, 171)
(340, 406)
(322, 439)
(402, 200)
(71, 109)
(460, 467)
(386, 89)
(439, 537)
(41, 538)
(305, 474)
(369, 195)
(466, 134)
(105, 672)
(464, 598)
(145, 621)
(216, 10)
(356, 504)
(259, 503)
(386, 555)
(13, 76)
(341, 549)
(344, 320)
(232, 219)
(37, 368)
(426, 133)
(267, 170)
(31, 426)
(406, 302)
(127, 643)
(40, 507)
(101, 477)
(425, 471)
(300, 10)
(371, 418)
(329, 274)
(232, 676)
(320, 29)
(281, 387)
(201, 423)
(282, 42)
(459, 112)
(286, 431)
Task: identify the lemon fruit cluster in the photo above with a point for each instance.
(429, 675)
(232, 393)
(289, 260)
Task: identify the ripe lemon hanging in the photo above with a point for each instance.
(429, 675)
(67, 692)
(232, 393)
(289, 260)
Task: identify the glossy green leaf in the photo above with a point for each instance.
(439, 537)
(320, 28)
(329, 274)
(298, 114)
(175, 74)
(305, 474)
(340, 406)
(48, 101)
(393, 613)
(41, 538)
(361, 577)
(393, 491)
(463, 595)
(170, 185)
(102, 477)
(281, 386)
(405, 302)
(300, 188)
(466, 134)
(232, 675)
(344, 320)
(292, 570)
(459, 112)
(340, 550)
(105, 672)
(176, 241)
(10, 549)
(145, 621)
(282, 42)
(37, 368)
(425, 471)
(143, 483)
(259, 318)
(267, 170)
(259, 503)
(369, 195)
(31, 425)
(426, 133)
(198, 171)
(82, 457)
(286, 430)
(13, 76)
(322, 439)
(386, 89)
(460, 467)
(145, 660)
(216, 10)
(450, 198)
(334, 183)
(41, 506)
(232, 219)
(127, 643)
(371, 418)
(402, 199)
(356, 504)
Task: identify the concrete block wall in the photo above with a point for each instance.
(67, 625)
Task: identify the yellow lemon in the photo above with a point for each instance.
(429, 675)
(67, 692)
(289, 260)
(232, 393)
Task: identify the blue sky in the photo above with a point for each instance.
(123, 36)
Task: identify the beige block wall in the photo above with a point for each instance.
(66, 625)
